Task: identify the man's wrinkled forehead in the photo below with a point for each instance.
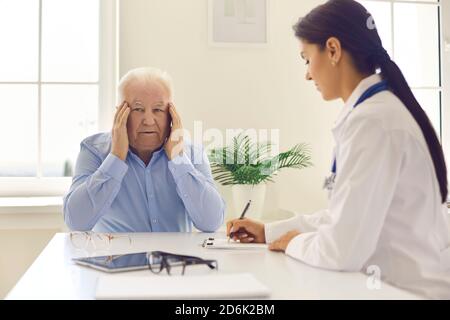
(143, 91)
(136, 102)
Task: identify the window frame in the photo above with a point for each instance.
(107, 83)
(440, 5)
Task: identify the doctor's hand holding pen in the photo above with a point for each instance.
(248, 230)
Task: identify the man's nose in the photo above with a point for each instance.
(149, 118)
(308, 76)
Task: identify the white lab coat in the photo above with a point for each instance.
(385, 208)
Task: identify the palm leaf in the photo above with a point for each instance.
(245, 162)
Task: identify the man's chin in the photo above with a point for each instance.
(148, 146)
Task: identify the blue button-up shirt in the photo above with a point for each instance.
(111, 195)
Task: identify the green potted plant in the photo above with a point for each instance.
(247, 166)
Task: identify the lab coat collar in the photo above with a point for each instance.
(365, 84)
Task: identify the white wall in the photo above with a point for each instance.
(260, 88)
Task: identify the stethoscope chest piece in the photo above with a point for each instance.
(328, 184)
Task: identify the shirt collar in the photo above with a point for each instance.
(156, 154)
(365, 84)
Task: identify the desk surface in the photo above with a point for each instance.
(54, 276)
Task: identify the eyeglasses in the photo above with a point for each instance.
(175, 264)
(84, 239)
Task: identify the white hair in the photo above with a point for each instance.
(146, 75)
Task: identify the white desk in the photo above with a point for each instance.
(54, 276)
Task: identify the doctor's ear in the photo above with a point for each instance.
(334, 50)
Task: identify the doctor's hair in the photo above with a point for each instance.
(147, 75)
(353, 25)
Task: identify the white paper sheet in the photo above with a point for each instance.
(218, 286)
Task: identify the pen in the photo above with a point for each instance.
(241, 217)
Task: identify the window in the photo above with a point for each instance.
(57, 86)
(417, 35)
(411, 33)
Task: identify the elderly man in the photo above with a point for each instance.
(143, 177)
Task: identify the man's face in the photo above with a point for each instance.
(148, 124)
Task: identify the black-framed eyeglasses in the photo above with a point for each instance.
(175, 264)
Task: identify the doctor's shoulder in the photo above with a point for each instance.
(389, 112)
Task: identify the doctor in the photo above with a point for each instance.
(388, 182)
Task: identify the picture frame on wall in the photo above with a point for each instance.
(238, 23)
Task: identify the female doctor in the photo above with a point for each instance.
(388, 182)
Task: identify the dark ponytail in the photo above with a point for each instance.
(349, 21)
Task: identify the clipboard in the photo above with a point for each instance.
(223, 243)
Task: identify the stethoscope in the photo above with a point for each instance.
(373, 90)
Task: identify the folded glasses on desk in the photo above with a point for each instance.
(175, 264)
(85, 239)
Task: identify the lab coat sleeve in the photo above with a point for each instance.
(301, 222)
(195, 186)
(368, 167)
(94, 187)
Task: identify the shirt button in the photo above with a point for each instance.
(154, 220)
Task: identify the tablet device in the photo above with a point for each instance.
(116, 263)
